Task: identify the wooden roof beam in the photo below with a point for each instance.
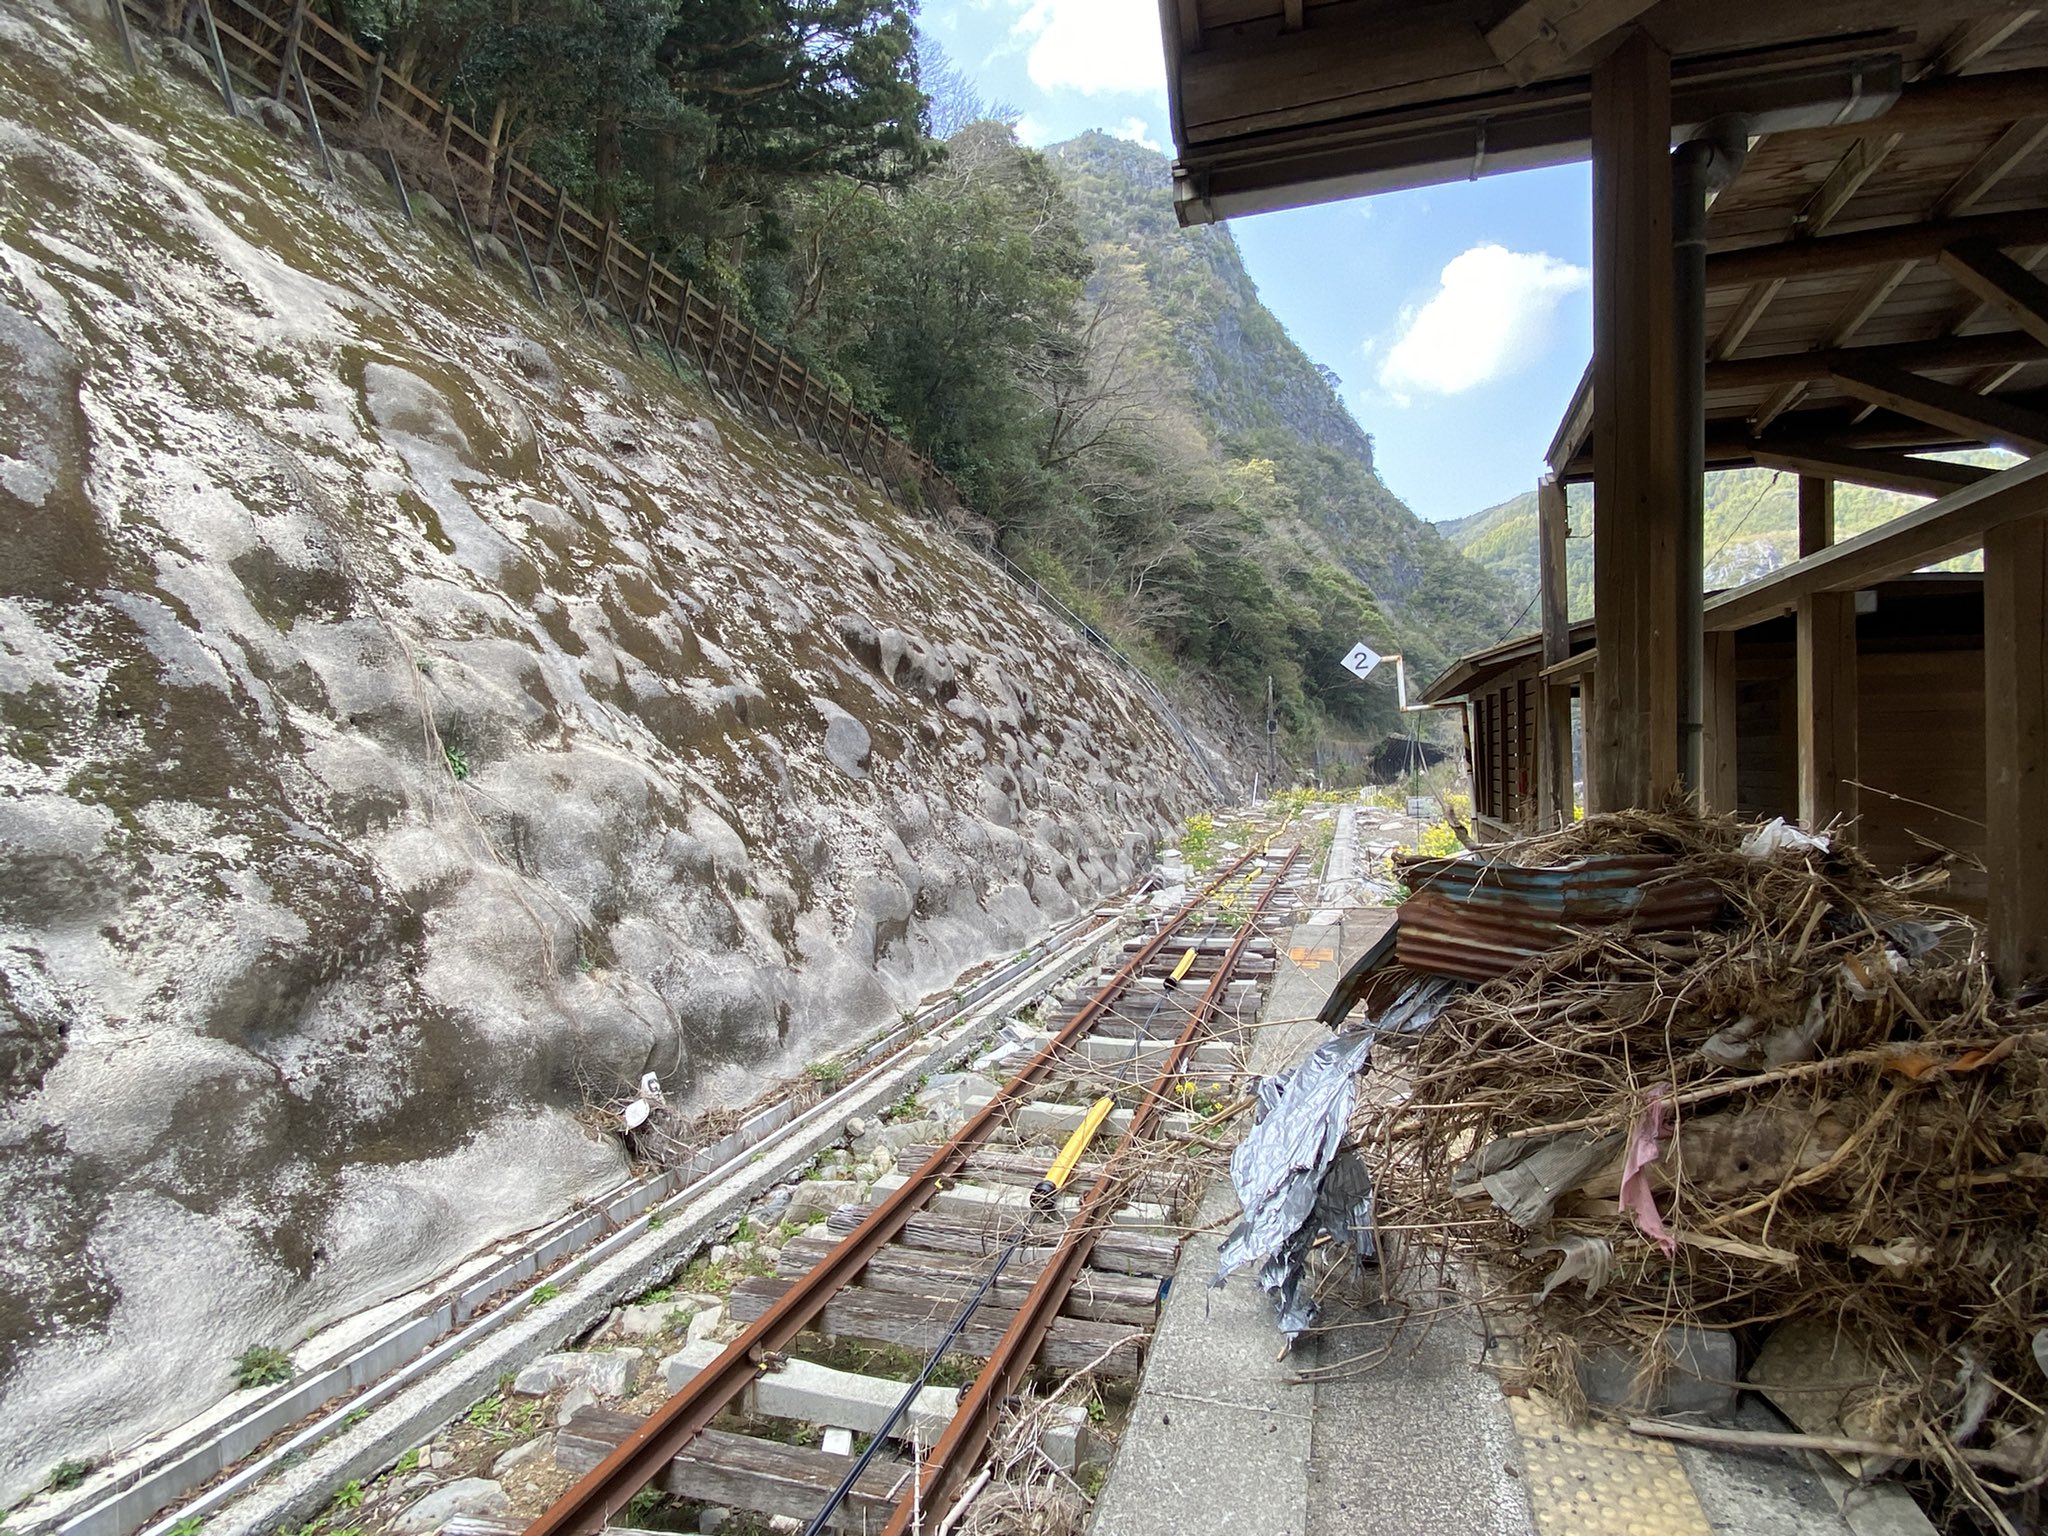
(1975, 39)
(2003, 283)
(1774, 369)
(1862, 466)
(2011, 147)
(1858, 164)
(1541, 37)
(1969, 189)
(1961, 411)
(1952, 525)
(1872, 247)
(1576, 427)
(1732, 443)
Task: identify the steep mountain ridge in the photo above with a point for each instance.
(1249, 392)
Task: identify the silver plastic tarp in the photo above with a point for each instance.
(1294, 1177)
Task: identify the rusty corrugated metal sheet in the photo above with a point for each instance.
(1477, 920)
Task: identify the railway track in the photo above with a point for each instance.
(1036, 1240)
(197, 1474)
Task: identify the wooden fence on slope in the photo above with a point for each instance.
(299, 58)
(287, 50)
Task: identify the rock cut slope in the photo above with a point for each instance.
(419, 720)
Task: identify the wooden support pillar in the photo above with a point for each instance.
(1717, 778)
(1639, 496)
(1827, 707)
(1816, 514)
(1553, 700)
(2016, 747)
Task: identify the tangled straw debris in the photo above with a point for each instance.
(1812, 1108)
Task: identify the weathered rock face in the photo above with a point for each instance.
(416, 722)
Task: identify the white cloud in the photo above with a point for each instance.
(1492, 315)
(1030, 130)
(1138, 131)
(1096, 47)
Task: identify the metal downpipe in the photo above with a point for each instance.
(1690, 164)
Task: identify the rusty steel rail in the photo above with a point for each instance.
(967, 1434)
(645, 1453)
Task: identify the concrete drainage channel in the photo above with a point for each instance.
(353, 1415)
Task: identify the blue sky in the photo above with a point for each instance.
(1458, 316)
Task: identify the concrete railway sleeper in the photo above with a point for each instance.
(969, 1255)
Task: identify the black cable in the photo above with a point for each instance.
(822, 1519)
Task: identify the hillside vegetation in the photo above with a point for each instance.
(1107, 388)
(1752, 528)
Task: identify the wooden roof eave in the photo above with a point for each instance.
(1468, 672)
(1949, 526)
(1261, 164)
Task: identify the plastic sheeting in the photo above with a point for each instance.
(1525, 1177)
(1294, 1177)
(1295, 1183)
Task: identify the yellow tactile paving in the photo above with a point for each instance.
(1600, 1481)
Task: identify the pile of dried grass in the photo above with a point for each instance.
(1879, 1164)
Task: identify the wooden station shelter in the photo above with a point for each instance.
(1815, 231)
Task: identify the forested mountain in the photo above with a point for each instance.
(1264, 407)
(1752, 527)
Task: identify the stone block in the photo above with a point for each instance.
(607, 1372)
(464, 1496)
(821, 1197)
(966, 1199)
(1702, 1376)
(647, 1321)
(574, 1401)
(816, 1394)
(1069, 1444)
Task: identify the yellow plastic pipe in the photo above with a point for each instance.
(1063, 1166)
(1187, 962)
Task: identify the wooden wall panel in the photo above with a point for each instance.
(1922, 739)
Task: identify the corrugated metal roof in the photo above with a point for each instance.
(1477, 920)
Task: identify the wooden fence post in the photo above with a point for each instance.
(714, 359)
(119, 8)
(685, 332)
(373, 89)
(547, 256)
(288, 56)
(646, 289)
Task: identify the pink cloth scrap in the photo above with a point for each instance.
(1645, 1142)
